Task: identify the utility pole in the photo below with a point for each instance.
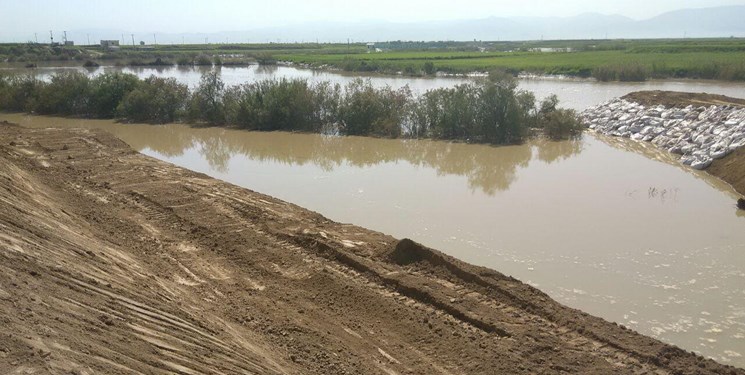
(133, 40)
(51, 37)
(155, 42)
(36, 38)
(88, 36)
(64, 37)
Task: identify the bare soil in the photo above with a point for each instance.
(113, 262)
(675, 99)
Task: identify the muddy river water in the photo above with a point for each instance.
(604, 225)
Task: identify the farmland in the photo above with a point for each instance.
(606, 60)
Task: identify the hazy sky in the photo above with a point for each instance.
(176, 16)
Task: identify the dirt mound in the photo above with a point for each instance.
(113, 262)
(674, 99)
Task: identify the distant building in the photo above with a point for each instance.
(110, 44)
(69, 43)
(550, 50)
(370, 47)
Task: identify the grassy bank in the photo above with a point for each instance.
(603, 65)
(490, 110)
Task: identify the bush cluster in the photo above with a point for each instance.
(636, 72)
(623, 73)
(491, 110)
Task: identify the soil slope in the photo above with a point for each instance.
(113, 262)
(731, 169)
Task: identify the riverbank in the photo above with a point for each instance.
(116, 262)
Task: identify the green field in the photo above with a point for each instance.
(625, 60)
(685, 64)
(608, 60)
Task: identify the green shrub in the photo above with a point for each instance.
(633, 73)
(445, 113)
(280, 105)
(19, 93)
(491, 111)
(206, 103)
(155, 100)
(203, 60)
(732, 72)
(562, 124)
(66, 93)
(266, 59)
(500, 118)
(429, 68)
(108, 90)
(604, 74)
(365, 110)
(184, 60)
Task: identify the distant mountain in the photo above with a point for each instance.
(706, 22)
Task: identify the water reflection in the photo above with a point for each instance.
(265, 69)
(488, 169)
(653, 152)
(552, 151)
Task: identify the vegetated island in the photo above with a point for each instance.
(489, 110)
(115, 262)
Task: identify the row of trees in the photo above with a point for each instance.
(492, 110)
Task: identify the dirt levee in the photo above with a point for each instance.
(676, 99)
(113, 262)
